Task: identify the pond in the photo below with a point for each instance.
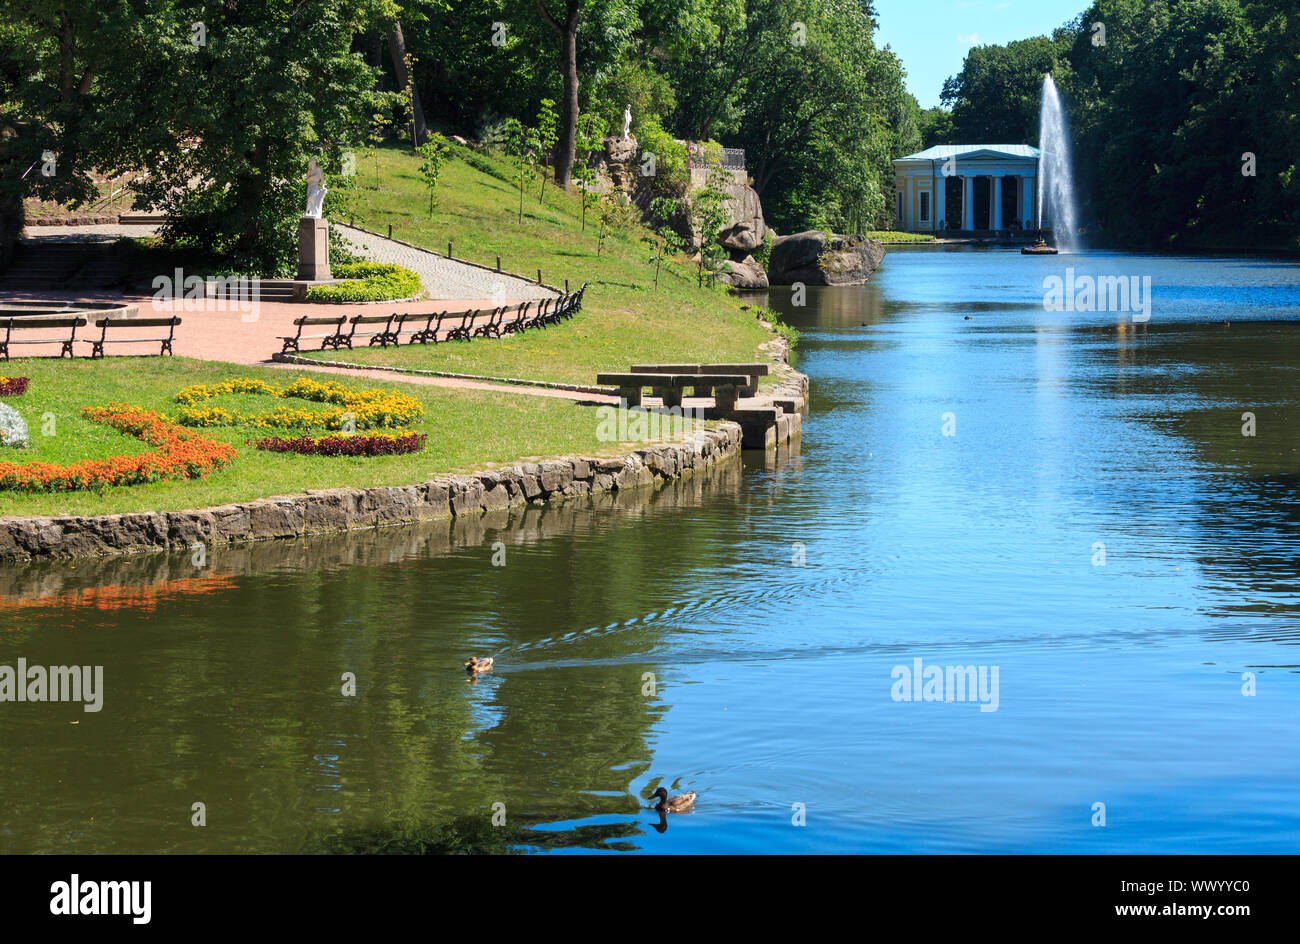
(1090, 517)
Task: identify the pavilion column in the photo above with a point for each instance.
(938, 211)
(968, 202)
(997, 202)
(1027, 208)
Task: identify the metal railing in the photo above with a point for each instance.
(729, 159)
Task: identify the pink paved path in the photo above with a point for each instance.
(252, 337)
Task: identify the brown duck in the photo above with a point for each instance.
(476, 666)
(677, 804)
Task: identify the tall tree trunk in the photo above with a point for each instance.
(566, 145)
(376, 61)
(397, 49)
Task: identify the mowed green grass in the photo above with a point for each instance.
(624, 319)
(466, 429)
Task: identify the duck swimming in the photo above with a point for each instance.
(677, 804)
(476, 666)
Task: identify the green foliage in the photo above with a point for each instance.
(434, 153)
(995, 97)
(936, 127)
(897, 237)
(521, 146)
(378, 123)
(368, 282)
(1161, 114)
(548, 123)
(663, 237)
(635, 84)
(671, 174)
(707, 215)
(773, 317)
(763, 254)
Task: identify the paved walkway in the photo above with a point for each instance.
(90, 233)
(251, 337)
(443, 277)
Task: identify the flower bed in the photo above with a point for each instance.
(13, 429)
(368, 282)
(370, 444)
(361, 409)
(179, 454)
(13, 386)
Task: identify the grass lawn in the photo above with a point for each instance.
(467, 430)
(624, 319)
(895, 237)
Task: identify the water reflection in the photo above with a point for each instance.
(1096, 525)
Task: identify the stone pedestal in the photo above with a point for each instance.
(313, 250)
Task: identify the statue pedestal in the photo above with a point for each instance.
(313, 250)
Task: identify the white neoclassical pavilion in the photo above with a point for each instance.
(967, 187)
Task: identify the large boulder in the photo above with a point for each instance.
(813, 260)
(744, 274)
(620, 150)
(743, 231)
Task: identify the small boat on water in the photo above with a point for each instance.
(1039, 248)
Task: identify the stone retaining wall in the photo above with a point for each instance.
(345, 509)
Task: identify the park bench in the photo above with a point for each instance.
(461, 332)
(382, 337)
(105, 324)
(419, 335)
(334, 339)
(66, 328)
(752, 371)
(669, 387)
(520, 322)
(492, 327)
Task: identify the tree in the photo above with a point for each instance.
(435, 152)
(936, 127)
(995, 97)
(591, 134)
(521, 148)
(378, 122)
(273, 86)
(545, 138)
(707, 215)
(403, 68)
(616, 20)
(663, 239)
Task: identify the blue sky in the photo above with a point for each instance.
(932, 36)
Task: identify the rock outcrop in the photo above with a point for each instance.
(809, 258)
(744, 274)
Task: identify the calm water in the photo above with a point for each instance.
(1119, 683)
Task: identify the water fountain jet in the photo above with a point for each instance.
(1057, 203)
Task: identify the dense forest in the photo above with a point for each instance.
(1185, 116)
(222, 102)
(1184, 111)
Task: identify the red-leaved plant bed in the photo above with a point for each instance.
(375, 444)
(13, 386)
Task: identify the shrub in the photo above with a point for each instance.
(13, 430)
(671, 175)
(368, 282)
(369, 444)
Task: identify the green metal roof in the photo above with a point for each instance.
(941, 152)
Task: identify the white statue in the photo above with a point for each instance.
(627, 122)
(315, 190)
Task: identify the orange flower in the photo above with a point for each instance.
(179, 453)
